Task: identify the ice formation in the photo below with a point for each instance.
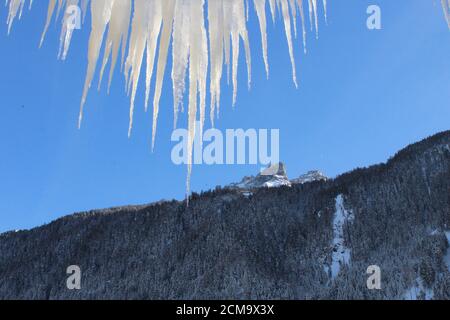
(341, 253)
(446, 8)
(141, 26)
(138, 27)
(204, 36)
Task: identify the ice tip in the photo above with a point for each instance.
(130, 128)
(152, 148)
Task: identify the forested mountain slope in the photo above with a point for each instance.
(305, 241)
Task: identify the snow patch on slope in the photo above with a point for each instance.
(447, 255)
(341, 253)
(418, 291)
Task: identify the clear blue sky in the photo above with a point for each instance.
(363, 95)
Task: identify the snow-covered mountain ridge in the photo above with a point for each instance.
(275, 176)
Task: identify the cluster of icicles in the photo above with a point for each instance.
(141, 26)
(137, 27)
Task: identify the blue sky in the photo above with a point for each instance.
(363, 95)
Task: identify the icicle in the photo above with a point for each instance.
(51, 9)
(180, 54)
(260, 6)
(167, 19)
(216, 41)
(84, 7)
(316, 19)
(446, 8)
(272, 5)
(138, 40)
(60, 5)
(302, 17)
(293, 9)
(15, 8)
(235, 22)
(197, 76)
(117, 36)
(154, 28)
(310, 10)
(67, 30)
(287, 26)
(101, 13)
(226, 10)
(203, 62)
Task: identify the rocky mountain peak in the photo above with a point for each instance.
(275, 175)
(272, 176)
(310, 176)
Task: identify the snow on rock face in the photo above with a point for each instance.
(276, 181)
(271, 177)
(341, 254)
(275, 176)
(310, 176)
